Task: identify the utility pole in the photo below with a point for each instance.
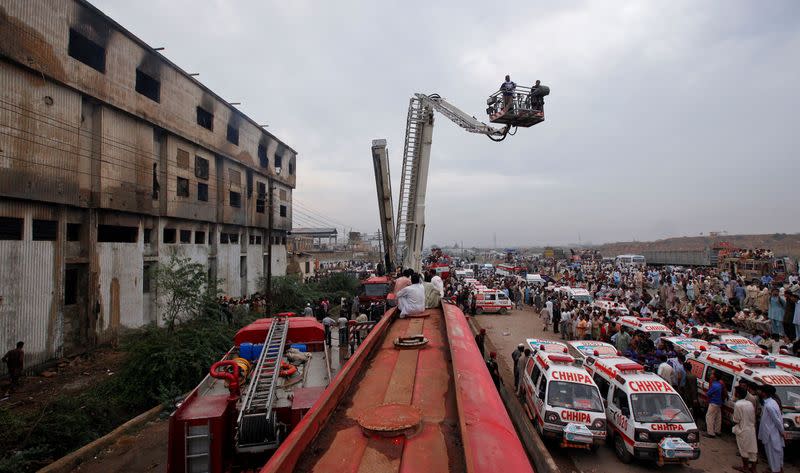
(270, 224)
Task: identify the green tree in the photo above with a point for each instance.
(183, 290)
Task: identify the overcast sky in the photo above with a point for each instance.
(665, 118)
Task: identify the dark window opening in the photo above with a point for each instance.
(148, 86)
(249, 178)
(45, 230)
(73, 232)
(234, 237)
(117, 234)
(291, 168)
(283, 240)
(205, 118)
(71, 276)
(252, 239)
(233, 135)
(283, 211)
(260, 206)
(278, 161)
(262, 156)
(87, 51)
(148, 234)
(261, 189)
(200, 238)
(308, 267)
(202, 192)
(242, 266)
(183, 187)
(200, 167)
(186, 236)
(258, 239)
(169, 235)
(146, 276)
(236, 199)
(11, 228)
(223, 238)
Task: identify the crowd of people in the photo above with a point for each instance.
(681, 299)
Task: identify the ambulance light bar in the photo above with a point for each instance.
(755, 362)
(629, 367)
(644, 319)
(561, 358)
(722, 331)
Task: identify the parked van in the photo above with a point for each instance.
(732, 368)
(647, 419)
(535, 279)
(564, 401)
(636, 261)
(653, 330)
(611, 306)
(740, 344)
(579, 294)
(492, 301)
(550, 346)
(687, 345)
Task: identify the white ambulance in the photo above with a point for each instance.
(611, 306)
(652, 329)
(581, 349)
(788, 363)
(739, 344)
(492, 300)
(542, 344)
(562, 401)
(732, 368)
(647, 419)
(686, 345)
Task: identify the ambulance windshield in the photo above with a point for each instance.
(581, 397)
(659, 407)
(789, 396)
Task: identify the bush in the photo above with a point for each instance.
(290, 294)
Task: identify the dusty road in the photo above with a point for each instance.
(504, 332)
(144, 450)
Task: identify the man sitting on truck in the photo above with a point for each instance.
(411, 299)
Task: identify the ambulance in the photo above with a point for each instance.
(562, 401)
(739, 344)
(580, 349)
(647, 419)
(652, 329)
(788, 363)
(686, 345)
(492, 300)
(732, 368)
(550, 346)
(579, 294)
(611, 306)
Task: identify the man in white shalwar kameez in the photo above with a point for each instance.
(744, 418)
(770, 430)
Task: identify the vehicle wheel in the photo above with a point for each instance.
(622, 452)
(503, 312)
(479, 311)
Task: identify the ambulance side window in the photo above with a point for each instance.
(621, 400)
(602, 384)
(726, 378)
(489, 297)
(542, 387)
(535, 374)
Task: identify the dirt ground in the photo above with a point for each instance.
(504, 332)
(66, 376)
(144, 450)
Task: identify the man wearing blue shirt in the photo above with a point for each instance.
(714, 414)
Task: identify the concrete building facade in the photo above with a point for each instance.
(113, 159)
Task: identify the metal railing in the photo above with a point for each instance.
(521, 101)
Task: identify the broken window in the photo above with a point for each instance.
(156, 187)
(183, 187)
(148, 86)
(233, 135)
(11, 228)
(262, 156)
(148, 233)
(235, 199)
(45, 230)
(260, 206)
(186, 236)
(87, 51)
(202, 192)
(200, 238)
(258, 239)
(169, 235)
(117, 234)
(146, 276)
(73, 232)
(283, 210)
(223, 238)
(234, 237)
(291, 168)
(200, 167)
(182, 158)
(278, 162)
(205, 118)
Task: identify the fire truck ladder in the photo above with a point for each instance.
(408, 176)
(257, 428)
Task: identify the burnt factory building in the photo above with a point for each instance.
(113, 159)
